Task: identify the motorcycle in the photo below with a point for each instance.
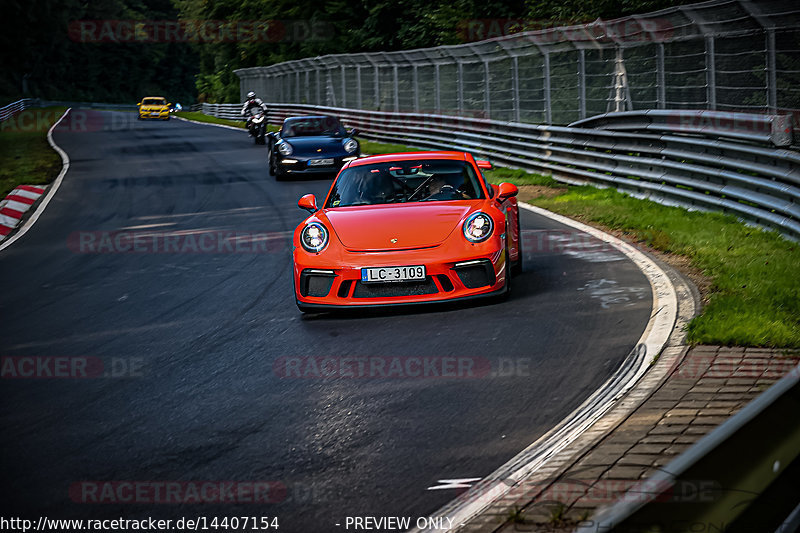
(257, 125)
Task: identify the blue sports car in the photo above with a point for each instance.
(311, 145)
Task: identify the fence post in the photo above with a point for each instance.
(772, 81)
(582, 83)
(344, 87)
(711, 74)
(396, 89)
(661, 78)
(415, 81)
(487, 101)
(377, 87)
(319, 87)
(460, 87)
(359, 99)
(437, 103)
(515, 87)
(548, 113)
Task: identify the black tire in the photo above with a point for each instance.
(516, 267)
(509, 276)
(273, 168)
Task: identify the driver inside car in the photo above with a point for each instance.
(442, 188)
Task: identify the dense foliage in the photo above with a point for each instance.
(37, 45)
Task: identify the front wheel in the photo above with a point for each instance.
(273, 166)
(516, 268)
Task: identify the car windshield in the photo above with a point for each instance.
(405, 181)
(154, 101)
(312, 126)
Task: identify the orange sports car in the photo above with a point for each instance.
(405, 229)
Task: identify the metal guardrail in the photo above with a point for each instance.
(15, 107)
(29, 103)
(774, 130)
(226, 111)
(759, 184)
(747, 467)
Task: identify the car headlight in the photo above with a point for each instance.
(314, 237)
(478, 227)
(350, 146)
(285, 148)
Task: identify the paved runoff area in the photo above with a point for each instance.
(700, 388)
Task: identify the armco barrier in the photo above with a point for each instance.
(751, 461)
(16, 107)
(692, 167)
(767, 129)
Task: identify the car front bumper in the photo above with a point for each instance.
(162, 114)
(321, 282)
(301, 165)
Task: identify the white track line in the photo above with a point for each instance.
(655, 337)
(51, 191)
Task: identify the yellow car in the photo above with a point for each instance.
(154, 107)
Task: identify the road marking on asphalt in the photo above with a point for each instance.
(50, 192)
(654, 338)
(460, 483)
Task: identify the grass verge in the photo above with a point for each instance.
(754, 296)
(26, 157)
(198, 116)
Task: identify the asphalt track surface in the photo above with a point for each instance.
(196, 339)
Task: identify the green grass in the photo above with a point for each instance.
(519, 177)
(375, 148)
(755, 291)
(200, 117)
(25, 155)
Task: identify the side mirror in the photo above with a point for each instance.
(353, 132)
(139, 103)
(169, 104)
(309, 203)
(485, 165)
(506, 191)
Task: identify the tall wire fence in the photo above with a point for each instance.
(725, 55)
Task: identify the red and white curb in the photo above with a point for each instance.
(15, 205)
(51, 190)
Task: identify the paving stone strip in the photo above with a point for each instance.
(701, 390)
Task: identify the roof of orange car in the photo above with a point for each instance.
(405, 156)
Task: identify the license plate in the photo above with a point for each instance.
(320, 162)
(155, 113)
(398, 273)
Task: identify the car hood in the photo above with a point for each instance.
(318, 146)
(409, 225)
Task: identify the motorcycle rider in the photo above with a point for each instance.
(252, 101)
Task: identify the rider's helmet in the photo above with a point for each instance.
(251, 95)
